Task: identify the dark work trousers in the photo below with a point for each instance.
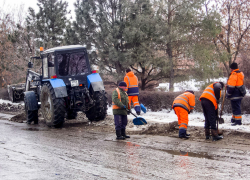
(121, 121)
(236, 106)
(209, 113)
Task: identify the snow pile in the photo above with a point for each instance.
(6, 105)
(195, 119)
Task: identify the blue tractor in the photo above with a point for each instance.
(64, 86)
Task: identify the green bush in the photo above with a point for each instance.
(156, 101)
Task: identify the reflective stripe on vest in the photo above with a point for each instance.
(114, 106)
(209, 94)
(182, 101)
(129, 84)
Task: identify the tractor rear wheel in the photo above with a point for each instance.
(99, 111)
(53, 109)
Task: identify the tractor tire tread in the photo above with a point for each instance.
(59, 108)
(30, 115)
(99, 111)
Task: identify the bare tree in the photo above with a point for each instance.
(234, 36)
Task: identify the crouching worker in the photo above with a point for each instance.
(209, 102)
(121, 108)
(183, 105)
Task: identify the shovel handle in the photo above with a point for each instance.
(131, 112)
(223, 100)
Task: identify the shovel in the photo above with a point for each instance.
(220, 119)
(143, 108)
(138, 120)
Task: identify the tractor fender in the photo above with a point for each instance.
(58, 86)
(30, 100)
(95, 81)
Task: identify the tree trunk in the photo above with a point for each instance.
(143, 84)
(1, 79)
(119, 71)
(169, 49)
(171, 75)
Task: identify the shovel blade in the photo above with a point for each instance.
(143, 108)
(221, 121)
(139, 121)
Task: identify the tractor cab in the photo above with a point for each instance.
(69, 63)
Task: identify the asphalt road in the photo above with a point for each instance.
(37, 152)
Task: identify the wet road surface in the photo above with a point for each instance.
(39, 152)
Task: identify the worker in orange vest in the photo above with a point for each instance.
(183, 105)
(121, 108)
(132, 90)
(209, 102)
(234, 83)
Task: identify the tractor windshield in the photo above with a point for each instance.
(72, 64)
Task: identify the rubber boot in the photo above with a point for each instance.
(187, 134)
(232, 121)
(215, 135)
(124, 133)
(119, 135)
(207, 133)
(182, 134)
(237, 122)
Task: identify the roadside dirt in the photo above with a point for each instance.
(81, 123)
(237, 139)
(107, 125)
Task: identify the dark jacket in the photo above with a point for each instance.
(122, 103)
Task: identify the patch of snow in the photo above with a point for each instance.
(7, 101)
(195, 119)
(191, 85)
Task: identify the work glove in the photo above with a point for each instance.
(128, 111)
(124, 107)
(190, 111)
(138, 112)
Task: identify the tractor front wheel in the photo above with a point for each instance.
(31, 115)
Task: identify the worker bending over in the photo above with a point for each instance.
(183, 105)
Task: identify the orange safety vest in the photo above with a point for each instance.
(236, 79)
(209, 94)
(185, 100)
(114, 106)
(132, 84)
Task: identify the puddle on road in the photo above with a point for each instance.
(183, 153)
(34, 129)
(31, 129)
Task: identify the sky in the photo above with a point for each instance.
(9, 5)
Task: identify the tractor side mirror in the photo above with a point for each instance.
(30, 65)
